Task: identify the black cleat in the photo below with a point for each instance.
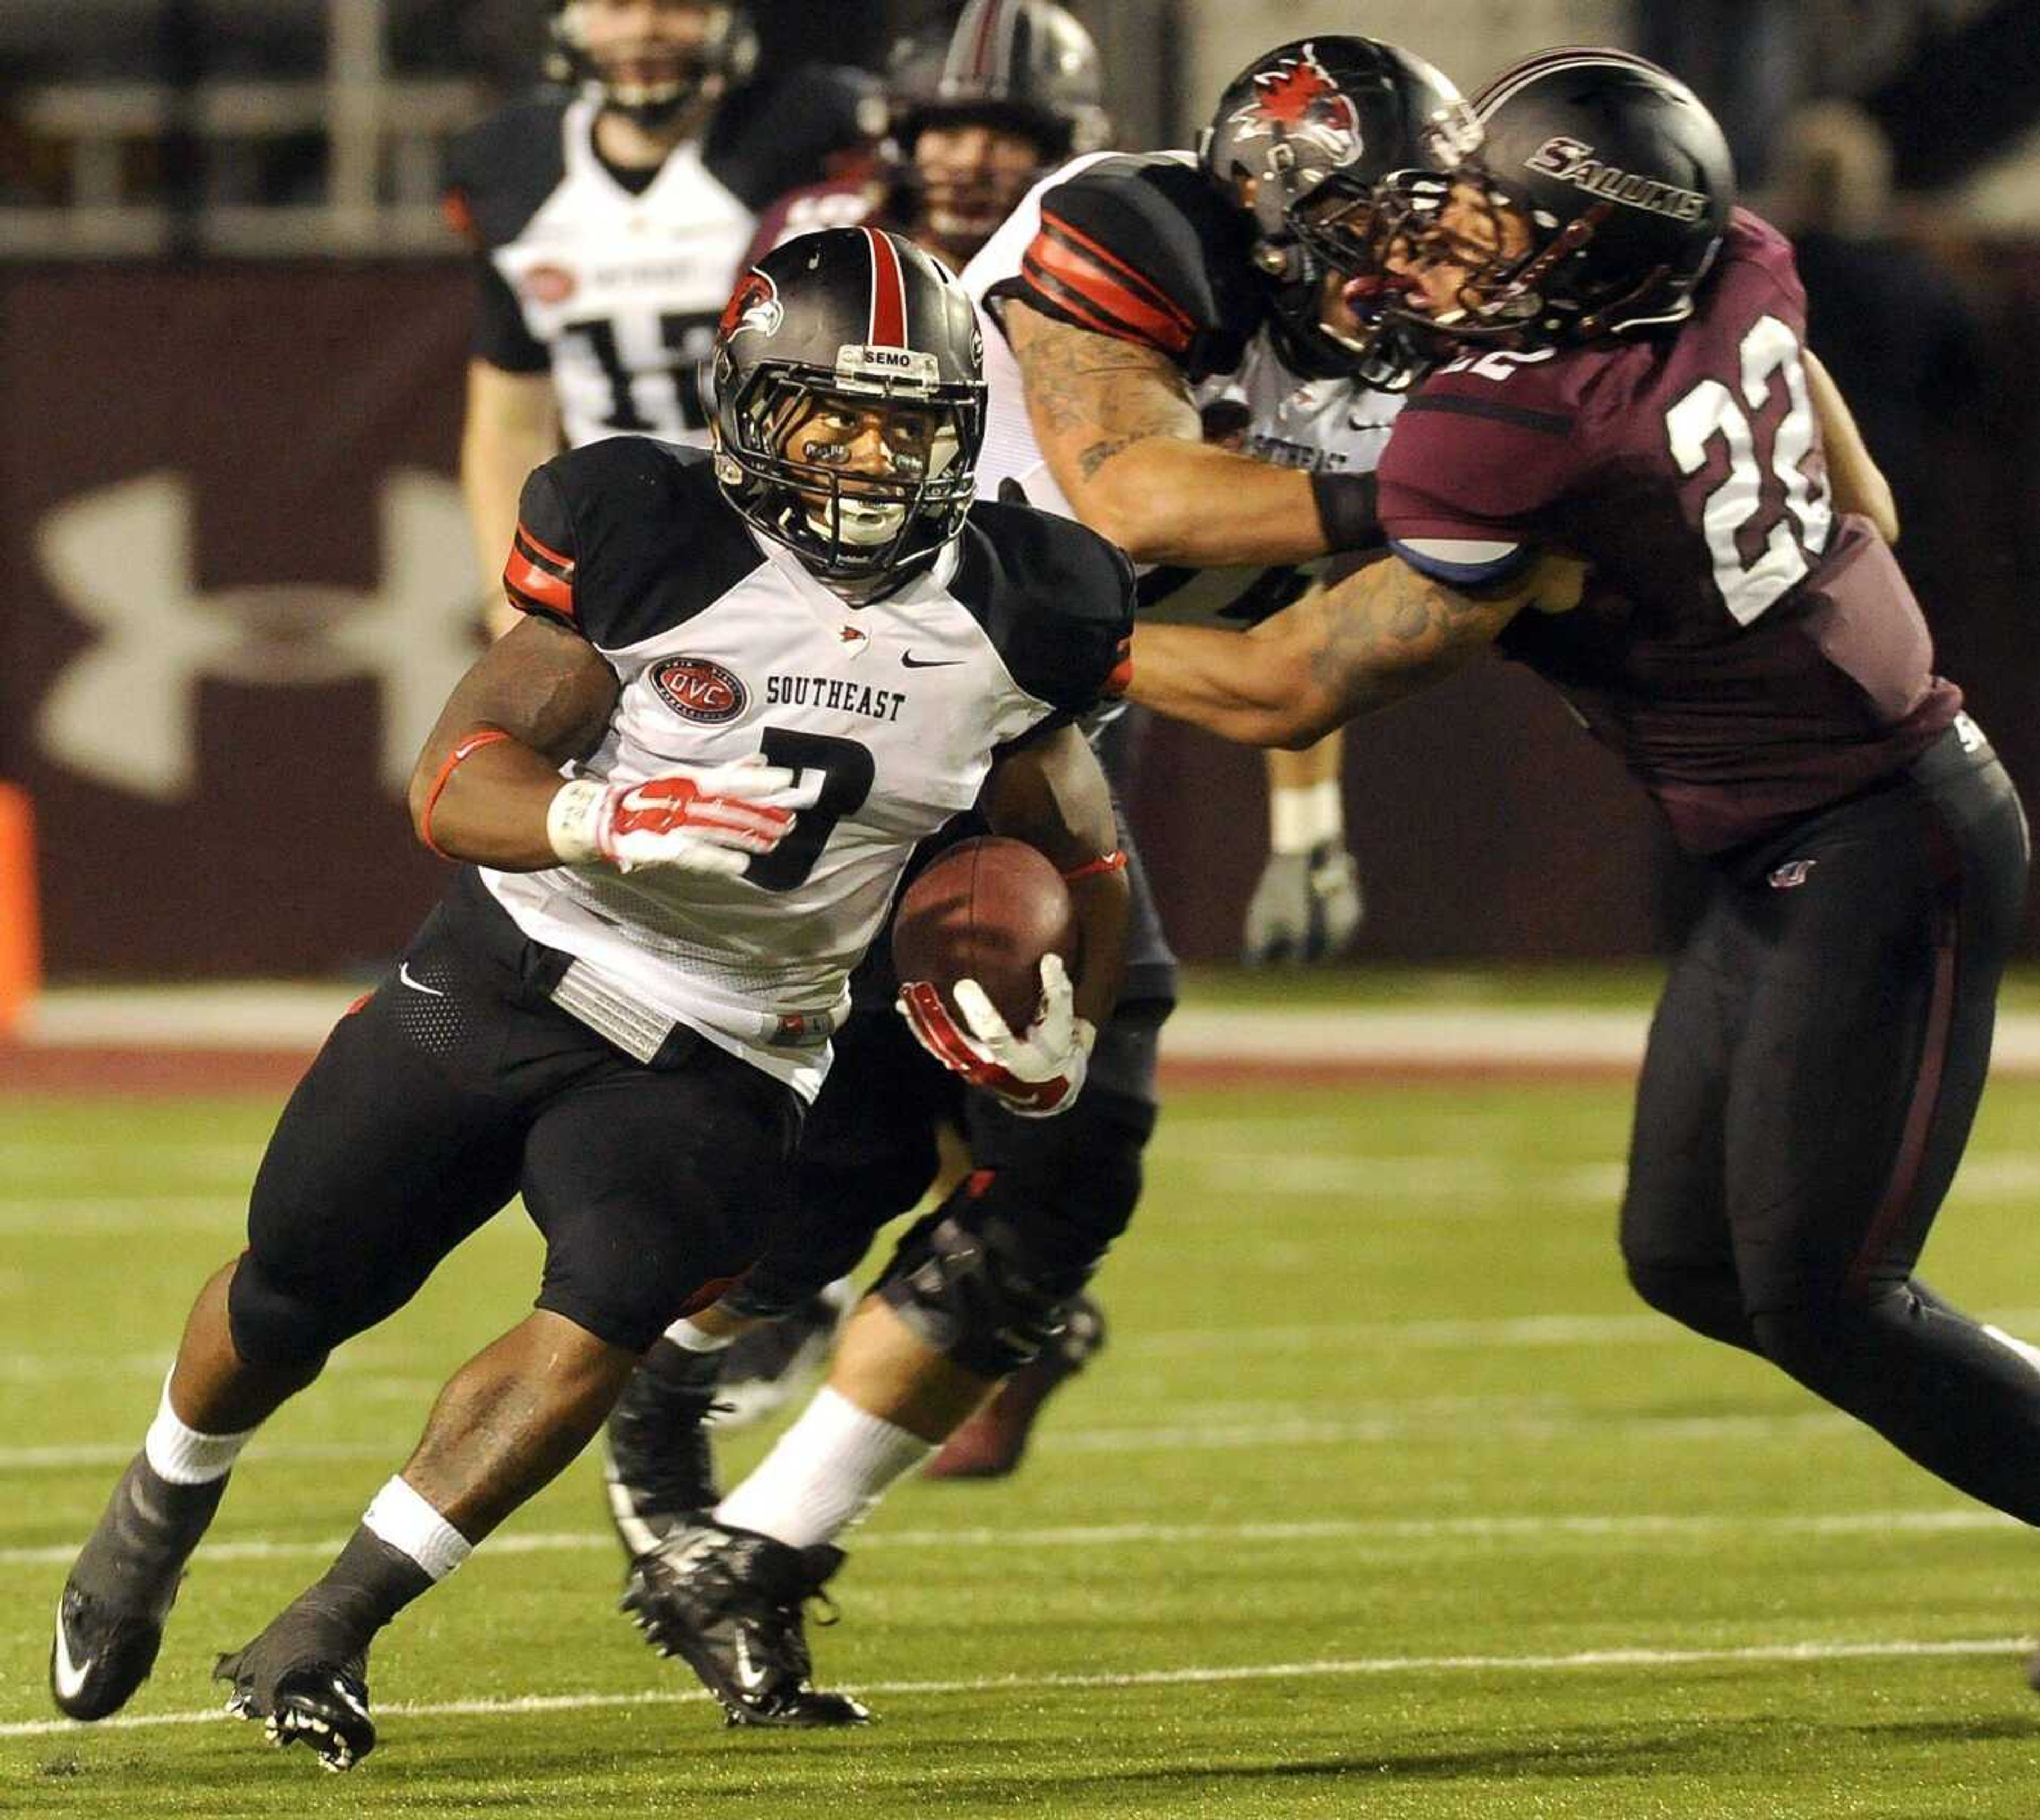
(657, 1461)
(728, 1603)
(100, 1654)
(110, 1619)
(765, 1369)
(300, 1698)
(990, 1443)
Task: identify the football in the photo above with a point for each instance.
(988, 910)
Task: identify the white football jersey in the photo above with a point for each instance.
(617, 289)
(726, 646)
(1330, 425)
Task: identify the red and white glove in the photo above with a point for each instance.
(709, 820)
(1036, 1075)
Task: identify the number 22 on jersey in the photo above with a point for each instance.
(1795, 520)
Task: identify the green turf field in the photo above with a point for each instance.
(1385, 1500)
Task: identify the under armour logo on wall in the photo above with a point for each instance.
(124, 711)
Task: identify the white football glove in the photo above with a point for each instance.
(1036, 1075)
(711, 819)
(1308, 907)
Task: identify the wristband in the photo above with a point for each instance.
(1301, 818)
(1115, 861)
(573, 820)
(467, 748)
(1349, 509)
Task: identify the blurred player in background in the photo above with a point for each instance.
(1136, 289)
(978, 113)
(978, 110)
(1630, 382)
(621, 1005)
(608, 223)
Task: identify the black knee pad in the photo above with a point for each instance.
(272, 1324)
(965, 1293)
(983, 1279)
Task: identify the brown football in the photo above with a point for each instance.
(988, 910)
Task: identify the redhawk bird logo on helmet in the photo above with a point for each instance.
(1299, 96)
(754, 304)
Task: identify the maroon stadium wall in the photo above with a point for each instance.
(241, 586)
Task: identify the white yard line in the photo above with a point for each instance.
(284, 1015)
(1963, 1521)
(393, 1358)
(1586, 1660)
(1292, 1431)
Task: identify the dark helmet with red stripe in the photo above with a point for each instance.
(1301, 136)
(1028, 65)
(827, 337)
(1024, 69)
(724, 56)
(1599, 188)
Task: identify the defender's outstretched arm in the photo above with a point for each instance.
(1340, 651)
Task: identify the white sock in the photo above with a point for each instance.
(183, 1455)
(1303, 817)
(827, 1471)
(400, 1516)
(690, 1338)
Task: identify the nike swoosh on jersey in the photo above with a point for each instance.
(404, 974)
(69, 1676)
(914, 663)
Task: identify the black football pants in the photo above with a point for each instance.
(458, 1084)
(1813, 1072)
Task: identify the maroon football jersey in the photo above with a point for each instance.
(845, 202)
(1752, 655)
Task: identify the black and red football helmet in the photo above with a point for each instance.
(1024, 68)
(1028, 65)
(1301, 137)
(839, 324)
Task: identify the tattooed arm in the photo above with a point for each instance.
(1121, 435)
(1340, 651)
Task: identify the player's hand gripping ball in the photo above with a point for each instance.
(981, 942)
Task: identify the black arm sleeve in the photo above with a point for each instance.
(500, 336)
(500, 173)
(642, 539)
(541, 573)
(1056, 600)
(780, 132)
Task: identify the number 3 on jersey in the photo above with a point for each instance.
(1794, 521)
(847, 769)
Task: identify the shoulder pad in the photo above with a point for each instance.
(777, 134)
(1752, 241)
(1144, 249)
(500, 170)
(622, 538)
(1055, 599)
